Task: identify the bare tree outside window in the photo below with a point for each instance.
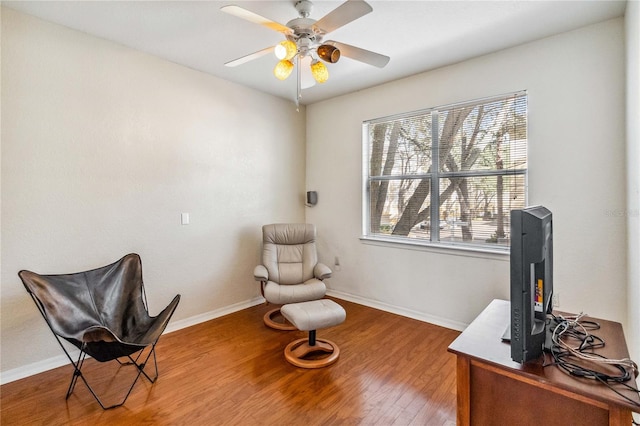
(448, 174)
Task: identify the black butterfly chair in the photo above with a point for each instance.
(103, 312)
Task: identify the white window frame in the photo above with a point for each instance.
(435, 177)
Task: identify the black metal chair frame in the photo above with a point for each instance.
(82, 356)
(119, 351)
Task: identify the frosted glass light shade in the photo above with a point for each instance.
(286, 50)
(319, 71)
(283, 69)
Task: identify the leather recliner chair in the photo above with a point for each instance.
(290, 271)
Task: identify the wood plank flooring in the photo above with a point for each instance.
(232, 371)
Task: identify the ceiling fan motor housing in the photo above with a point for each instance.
(304, 34)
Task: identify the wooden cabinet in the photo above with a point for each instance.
(494, 390)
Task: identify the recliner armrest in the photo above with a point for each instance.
(321, 271)
(260, 273)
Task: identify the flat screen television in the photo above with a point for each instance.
(531, 281)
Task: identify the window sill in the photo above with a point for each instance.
(453, 249)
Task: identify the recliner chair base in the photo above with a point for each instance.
(274, 319)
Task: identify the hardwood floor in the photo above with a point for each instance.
(231, 370)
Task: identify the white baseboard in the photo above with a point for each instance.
(37, 367)
(60, 360)
(207, 316)
(432, 319)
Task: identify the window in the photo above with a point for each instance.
(447, 175)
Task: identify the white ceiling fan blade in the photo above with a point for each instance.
(362, 55)
(249, 57)
(342, 15)
(255, 18)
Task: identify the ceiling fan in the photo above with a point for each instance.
(304, 41)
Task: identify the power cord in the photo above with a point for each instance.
(572, 347)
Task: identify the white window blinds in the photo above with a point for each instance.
(449, 174)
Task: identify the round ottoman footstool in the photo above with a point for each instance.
(311, 316)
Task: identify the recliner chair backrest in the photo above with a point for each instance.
(289, 252)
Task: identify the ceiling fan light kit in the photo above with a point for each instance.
(328, 53)
(304, 40)
(286, 50)
(319, 71)
(283, 69)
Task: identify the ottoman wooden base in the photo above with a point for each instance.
(301, 354)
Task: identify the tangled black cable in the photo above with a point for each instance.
(572, 347)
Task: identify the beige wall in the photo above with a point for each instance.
(632, 21)
(576, 87)
(103, 148)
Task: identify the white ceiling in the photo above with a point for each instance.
(417, 35)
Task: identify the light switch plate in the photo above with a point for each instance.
(184, 218)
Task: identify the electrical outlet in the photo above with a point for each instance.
(555, 300)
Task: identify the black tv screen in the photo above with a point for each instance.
(531, 280)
